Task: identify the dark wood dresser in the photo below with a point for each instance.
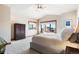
(19, 31)
(71, 50)
(73, 39)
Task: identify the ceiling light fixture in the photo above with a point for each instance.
(40, 6)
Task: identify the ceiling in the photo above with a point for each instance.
(30, 10)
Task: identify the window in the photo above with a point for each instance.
(48, 26)
(31, 25)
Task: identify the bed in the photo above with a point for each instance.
(51, 43)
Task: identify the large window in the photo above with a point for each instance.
(48, 26)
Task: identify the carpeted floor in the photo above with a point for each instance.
(20, 47)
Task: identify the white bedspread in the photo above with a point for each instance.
(51, 36)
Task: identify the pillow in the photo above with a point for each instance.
(49, 33)
(67, 33)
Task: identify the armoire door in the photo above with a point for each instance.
(19, 31)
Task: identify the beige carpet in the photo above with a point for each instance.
(20, 47)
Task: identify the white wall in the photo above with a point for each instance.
(5, 25)
(78, 12)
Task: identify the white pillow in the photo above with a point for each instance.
(66, 33)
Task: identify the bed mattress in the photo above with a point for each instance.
(52, 43)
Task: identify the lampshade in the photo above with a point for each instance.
(77, 30)
(75, 36)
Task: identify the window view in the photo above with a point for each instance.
(31, 26)
(48, 26)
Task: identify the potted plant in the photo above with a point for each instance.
(2, 45)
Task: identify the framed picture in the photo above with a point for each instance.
(68, 23)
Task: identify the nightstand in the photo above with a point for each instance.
(71, 50)
(74, 39)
